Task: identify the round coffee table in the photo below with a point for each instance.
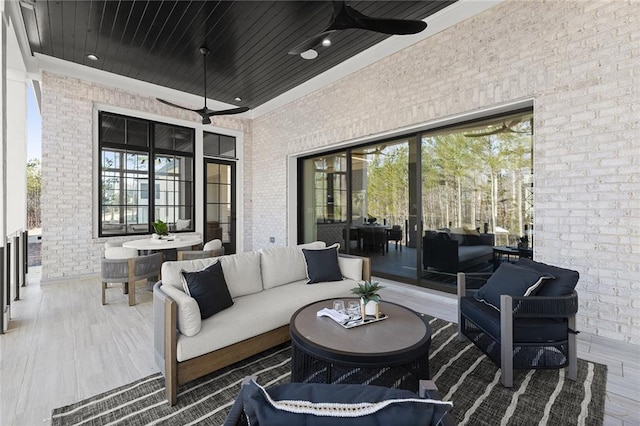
(393, 352)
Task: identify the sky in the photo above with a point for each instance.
(34, 127)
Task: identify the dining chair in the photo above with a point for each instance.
(123, 265)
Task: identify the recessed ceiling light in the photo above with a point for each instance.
(238, 98)
(326, 42)
(92, 56)
(309, 54)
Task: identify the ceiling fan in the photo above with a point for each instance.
(346, 17)
(505, 128)
(205, 112)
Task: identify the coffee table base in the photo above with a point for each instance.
(309, 369)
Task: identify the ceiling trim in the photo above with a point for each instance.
(439, 21)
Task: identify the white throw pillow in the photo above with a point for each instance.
(182, 224)
(120, 253)
(212, 245)
(351, 268)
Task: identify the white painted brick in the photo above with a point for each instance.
(580, 66)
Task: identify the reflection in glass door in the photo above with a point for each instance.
(219, 198)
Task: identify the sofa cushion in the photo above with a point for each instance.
(283, 265)
(322, 265)
(565, 279)
(209, 288)
(242, 273)
(247, 317)
(322, 404)
(512, 280)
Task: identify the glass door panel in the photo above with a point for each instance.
(220, 217)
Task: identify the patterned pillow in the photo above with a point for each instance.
(322, 404)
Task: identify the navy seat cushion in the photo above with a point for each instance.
(273, 406)
(529, 330)
(565, 279)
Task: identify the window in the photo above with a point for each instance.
(470, 183)
(215, 145)
(128, 146)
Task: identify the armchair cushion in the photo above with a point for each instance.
(331, 404)
(209, 289)
(322, 265)
(511, 280)
(565, 279)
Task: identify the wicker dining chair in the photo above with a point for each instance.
(123, 265)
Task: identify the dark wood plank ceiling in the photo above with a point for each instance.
(158, 41)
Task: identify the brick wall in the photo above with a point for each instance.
(578, 60)
(69, 247)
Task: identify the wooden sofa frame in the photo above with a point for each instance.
(166, 340)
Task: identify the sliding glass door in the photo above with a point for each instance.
(470, 185)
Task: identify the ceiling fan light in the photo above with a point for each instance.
(326, 42)
(92, 56)
(237, 98)
(309, 54)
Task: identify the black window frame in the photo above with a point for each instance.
(151, 152)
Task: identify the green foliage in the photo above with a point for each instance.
(160, 227)
(368, 291)
(34, 191)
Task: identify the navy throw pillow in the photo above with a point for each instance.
(209, 288)
(512, 280)
(322, 265)
(565, 279)
(318, 404)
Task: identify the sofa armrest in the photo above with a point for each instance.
(366, 265)
(160, 299)
(440, 254)
(189, 319)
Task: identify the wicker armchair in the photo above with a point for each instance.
(528, 332)
(122, 265)
(213, 248)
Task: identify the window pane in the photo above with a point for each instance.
(112, 129)
(228, 146)
(137, 133)
(163, 136)
(183, 140)
(211, 144)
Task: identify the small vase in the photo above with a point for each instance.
(371, 308)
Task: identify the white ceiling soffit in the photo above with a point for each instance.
(457, 12)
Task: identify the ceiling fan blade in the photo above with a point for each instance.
(227, 111)
(177, 106)
(310, 43)
(391, 26)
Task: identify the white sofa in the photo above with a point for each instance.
(267, 287)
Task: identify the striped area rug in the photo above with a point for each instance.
(462, 373)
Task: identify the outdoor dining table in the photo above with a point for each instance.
(154, 244)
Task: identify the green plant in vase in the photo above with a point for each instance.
(160, 228)
(369, 297)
